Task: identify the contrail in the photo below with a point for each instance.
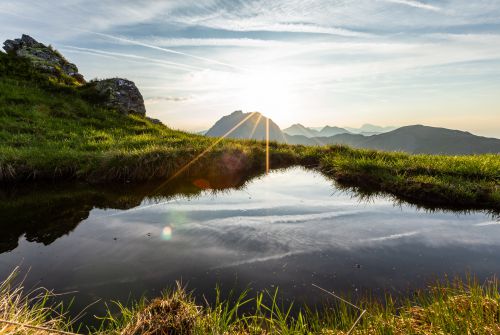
(191, 162)
(146, 45)
(154, 60)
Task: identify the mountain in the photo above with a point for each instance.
(246, 126)
(298, 129)
(370, 129)
(421, 139)
(332, 131)
(411, 139)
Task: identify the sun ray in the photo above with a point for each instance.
(191, 162)
(255, 126)
(267, 145)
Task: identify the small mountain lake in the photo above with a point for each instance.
(288, 229)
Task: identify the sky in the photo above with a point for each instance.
(314, 62)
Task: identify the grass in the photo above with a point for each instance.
(33, 309)
(55, 130)
(456, 307)
(454, 182)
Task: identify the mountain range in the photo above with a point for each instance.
(412, 139)
(327, 131)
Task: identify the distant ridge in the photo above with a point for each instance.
(416, 139)
(298, 129)
(332, 131)
(371, 129)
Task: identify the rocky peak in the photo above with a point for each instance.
(43, 57)
(122, 95)
(26, 41)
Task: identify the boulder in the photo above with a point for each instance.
(122, 95)
(43, 57)
(153, 121)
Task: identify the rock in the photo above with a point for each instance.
(122, 95)
(43, 57)
(153, 121)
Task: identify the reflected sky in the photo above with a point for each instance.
(289, 229)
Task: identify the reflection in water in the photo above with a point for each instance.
(45, 212)
(288, 229)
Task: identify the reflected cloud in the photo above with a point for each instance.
(392, 237)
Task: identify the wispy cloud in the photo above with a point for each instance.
(217, 42)
(417, 4)
(155, 100)
(135, 57)
(150, 46)
(343, 59)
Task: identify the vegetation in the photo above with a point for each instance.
(451, 308)
(55, 130)
(454, 182)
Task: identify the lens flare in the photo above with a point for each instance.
(166, 234)
(202, 184)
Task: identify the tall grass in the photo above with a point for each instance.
(31, 312)
(451, 307)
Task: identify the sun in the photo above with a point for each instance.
(269, 92)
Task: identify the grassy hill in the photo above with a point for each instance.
(52, 130)
(55, 129)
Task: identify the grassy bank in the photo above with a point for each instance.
(451, 308)
(454, 182)
(52, 130)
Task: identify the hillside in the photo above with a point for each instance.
(56, 128)
(416, 139)
(420, 139)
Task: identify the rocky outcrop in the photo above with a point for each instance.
(153, 121)
(43, 57)
(122, 95)
(116, 93)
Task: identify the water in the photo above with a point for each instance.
(289, 229)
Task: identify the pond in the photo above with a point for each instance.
(288, 229)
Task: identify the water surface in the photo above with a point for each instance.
(291, 229)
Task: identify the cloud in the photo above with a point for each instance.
(340, 58)
(156, 100)
(132, 56)
(217, 42)
(416, 4)
(151, 46)
(249, 25)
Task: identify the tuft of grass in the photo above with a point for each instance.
(29, 313)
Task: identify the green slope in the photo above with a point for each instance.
(54, 129)
(51, 130)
